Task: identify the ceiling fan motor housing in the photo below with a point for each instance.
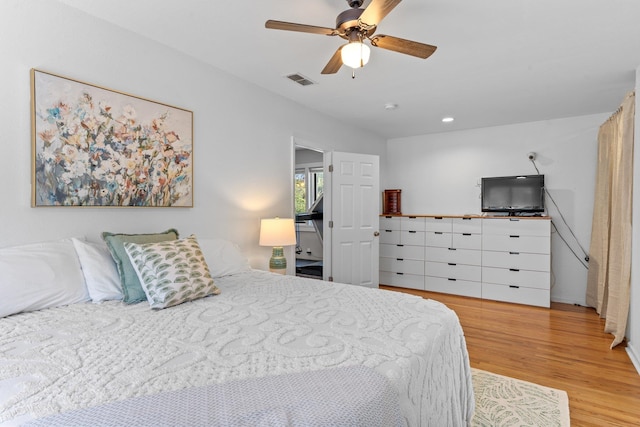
(355, 3)
(347, 22)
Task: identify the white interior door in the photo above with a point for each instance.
(353, 218)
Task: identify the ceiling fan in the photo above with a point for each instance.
(356, 25)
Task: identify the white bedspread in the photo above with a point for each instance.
(261, 324)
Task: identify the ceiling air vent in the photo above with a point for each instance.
(300, 79)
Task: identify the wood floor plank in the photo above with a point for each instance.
(564, 347)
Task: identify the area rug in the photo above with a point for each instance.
(506, 401)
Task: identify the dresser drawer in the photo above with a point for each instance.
(524, 227)
(412, 237)
(522, 261)
(402, 251)
(411, 281)
(412, 223)
(519, 295)
(471, 273)
(467, 225)
(439, 239)
(400, 265)
(456, 256)
(389, 223)
(516, 243)
(513, 276)
(452, 286)
(466, 241)
(438, 223)
(389, 236)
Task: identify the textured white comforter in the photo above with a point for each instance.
(261, 324)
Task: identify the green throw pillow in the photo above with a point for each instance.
(171, 272)
(131, 287)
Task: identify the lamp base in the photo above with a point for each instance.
(278, 262)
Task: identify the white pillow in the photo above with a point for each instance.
(223, 257)
(40, 275)
(99, 269)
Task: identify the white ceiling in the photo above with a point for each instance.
(498, 61)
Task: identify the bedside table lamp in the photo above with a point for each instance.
(277, 232)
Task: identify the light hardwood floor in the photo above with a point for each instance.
(563, 347)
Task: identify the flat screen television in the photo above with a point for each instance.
(514, 195)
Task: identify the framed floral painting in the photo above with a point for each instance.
(98, 147)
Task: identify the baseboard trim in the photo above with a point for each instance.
(568, 301)
(634, 355)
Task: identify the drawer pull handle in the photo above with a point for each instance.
(400, 274)
(452, 263)
(466, 234)
(388, 231)
(412, 231)
(400, 246)
(412, 217)
(466, 219)
(388, 216)
(514, 269)
(437, 232)
(514, 219)
(451, 280)
(437, 217)
(399, 259)
(514, 287)
(452, 249)
(514, 236)
(514, 253)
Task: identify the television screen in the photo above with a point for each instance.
(513, 194)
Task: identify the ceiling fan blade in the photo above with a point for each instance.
(408, 47)
(302, 28)
(377, 10)
(334, 63)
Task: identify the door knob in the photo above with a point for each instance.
(376, 233)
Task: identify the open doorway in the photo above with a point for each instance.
(309, 211)
(337, 214)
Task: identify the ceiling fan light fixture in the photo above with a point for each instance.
(355, 54)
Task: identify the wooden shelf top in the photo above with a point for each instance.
(463, 216)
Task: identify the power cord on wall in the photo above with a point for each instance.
(586, 255)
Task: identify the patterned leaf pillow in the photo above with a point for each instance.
(171, 272)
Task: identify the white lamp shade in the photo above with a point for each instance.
(355, 55)
(277, 232)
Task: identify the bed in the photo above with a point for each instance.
(266, 349)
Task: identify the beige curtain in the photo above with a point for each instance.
(609, 278)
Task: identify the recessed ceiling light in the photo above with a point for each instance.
(447, 119)
(390, 106)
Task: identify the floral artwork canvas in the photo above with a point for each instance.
(98, 147)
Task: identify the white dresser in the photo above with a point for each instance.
(516, 260)
(402, 251)
(498, 258)
(453, 256)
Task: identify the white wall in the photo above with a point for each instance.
(439, 174)
(242, 134)
(633, 327)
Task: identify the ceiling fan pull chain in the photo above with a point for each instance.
(353, 73)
